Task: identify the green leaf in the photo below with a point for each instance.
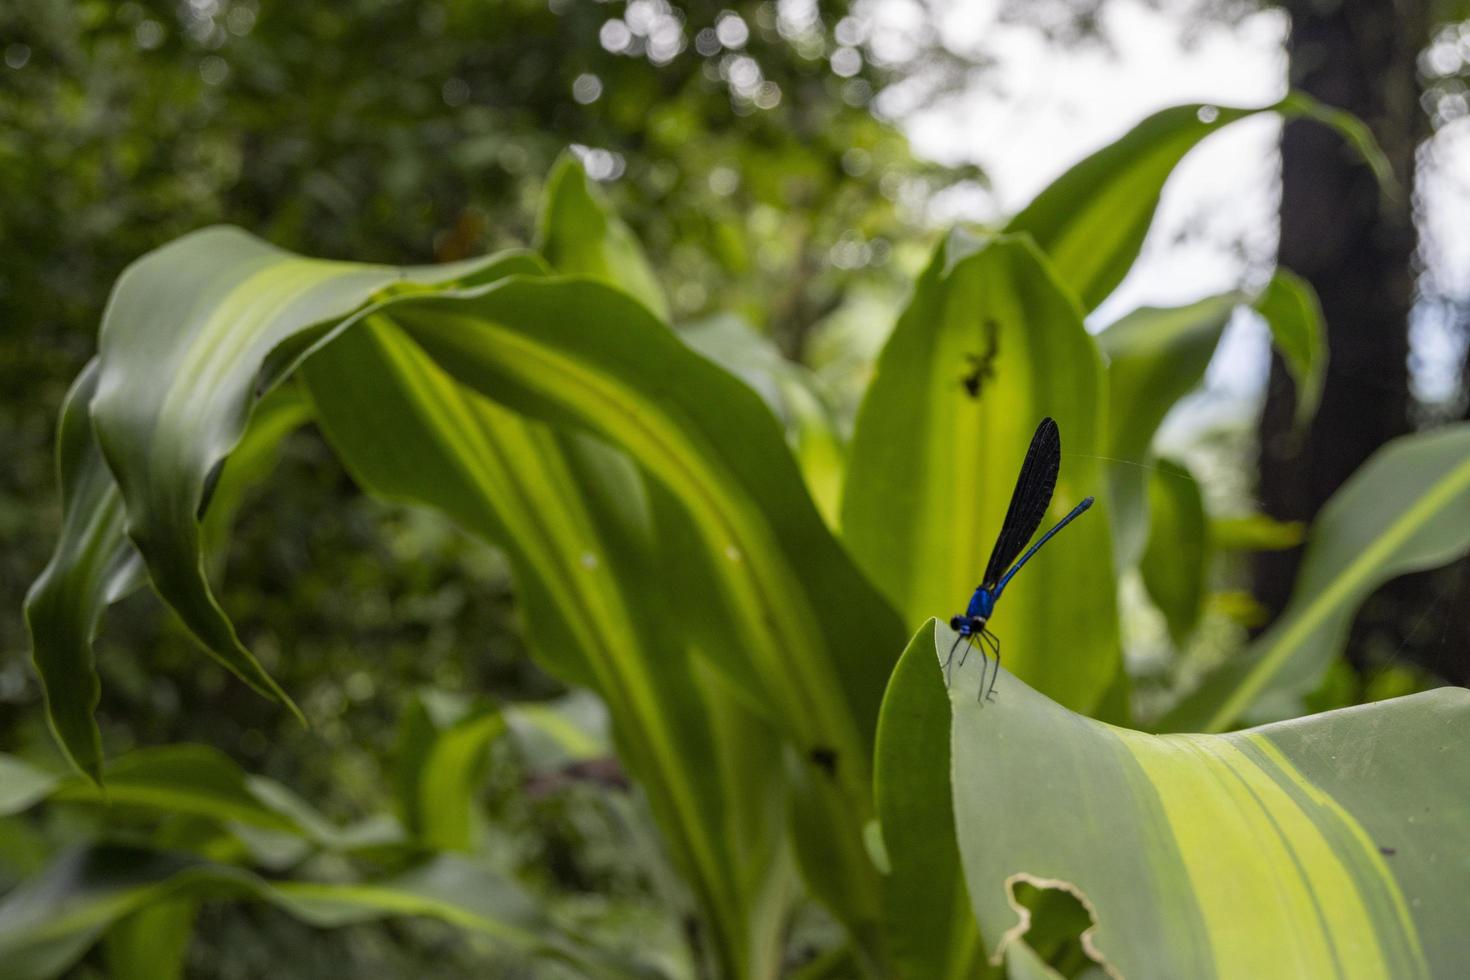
(440, 767)
(1177, 557)
(578, 525)
(151, 943)
(1155, 357)
(1290, 308)
(49, 922)
(933, 467)
(194, 333)
(581, 236)
(1265, 852)
(929, 926)
(1404, 510)
(1092, 220)
(1255, 532)
(792, 392)
(180, 779)
(218, 309)
(803, 613)
(786, 612)
(92, 566)
(95, 565)
(197, 781)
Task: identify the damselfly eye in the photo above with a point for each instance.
(955, 622)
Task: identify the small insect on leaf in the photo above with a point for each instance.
(982, 365)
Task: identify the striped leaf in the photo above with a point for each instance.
(1406, 509)
(576, 522)
(988, 345)
(1335, 845)
(793, 394)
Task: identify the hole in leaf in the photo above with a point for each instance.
(1057, 922)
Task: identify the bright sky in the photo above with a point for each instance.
(1045, 107)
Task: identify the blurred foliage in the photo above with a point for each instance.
(748, 164)
(734, 137)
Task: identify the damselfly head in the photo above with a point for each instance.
(967, 625)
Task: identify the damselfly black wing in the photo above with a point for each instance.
(1029, 502)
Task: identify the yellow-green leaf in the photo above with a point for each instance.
(1333, 845)
(578, 525)
(933, 465)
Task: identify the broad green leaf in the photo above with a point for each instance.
(933, 466)
(1406, 509)
(94, 564)
(929, 926)
(440, 767)
(180, 779)
(185, 350)
(1091, 221)
(804, 615)
(223, 315)
(581, 236)
(1155, 356)
(575, 521)
(1290, 308)
(793, 393)
(1174, 564)
(218, 309)
(1269, 852)
(48, 923)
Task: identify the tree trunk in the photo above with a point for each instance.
(1355, 245)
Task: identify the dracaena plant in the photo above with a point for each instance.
(693, 541)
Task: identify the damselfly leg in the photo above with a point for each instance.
(949, 660)
(993, 642)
